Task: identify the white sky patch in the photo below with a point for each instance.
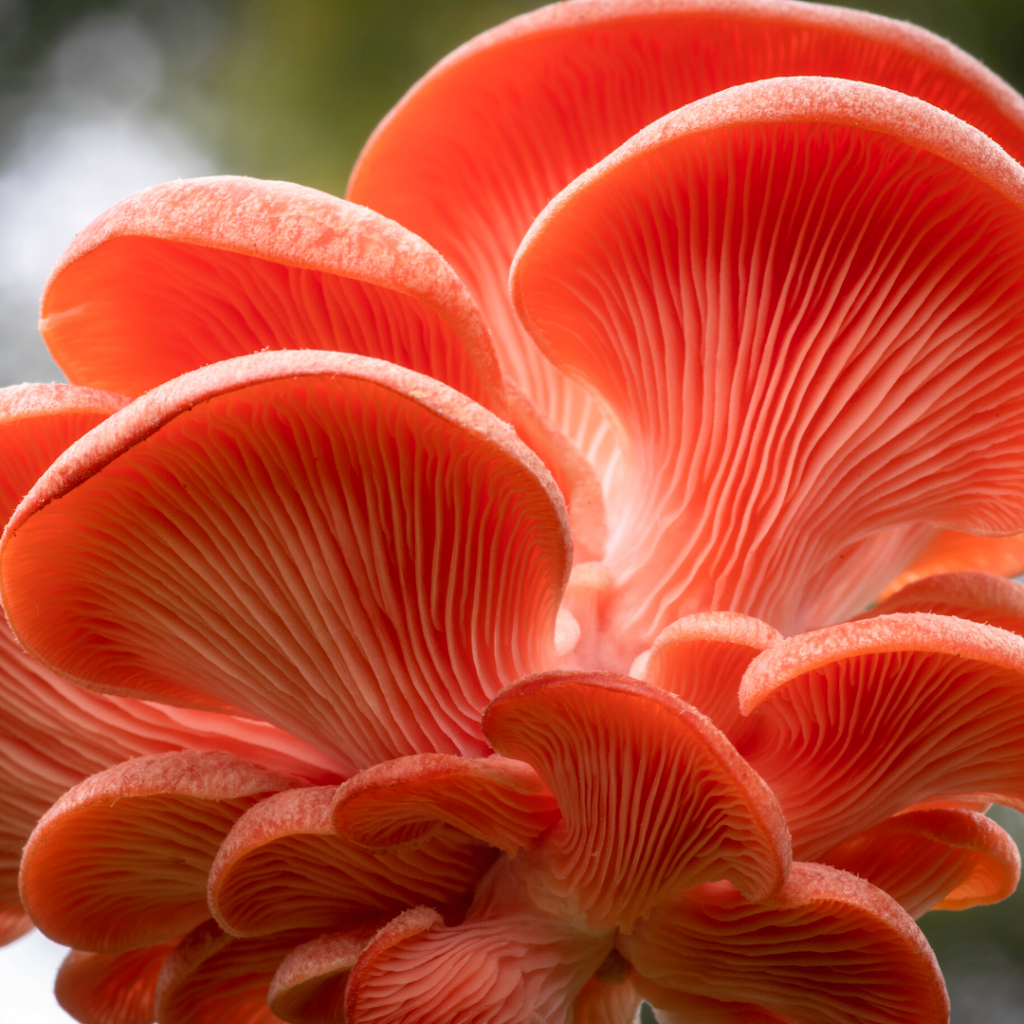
(89, 138)
(27, 968)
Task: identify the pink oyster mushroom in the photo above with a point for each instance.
(413, 628)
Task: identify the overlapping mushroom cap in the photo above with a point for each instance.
(299, 540)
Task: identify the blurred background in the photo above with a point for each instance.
(99, 98)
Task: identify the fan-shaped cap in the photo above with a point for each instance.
(977, 596)
(37, 422)
(283, 866)
(830, 948)
(753, 284)
(348, 549)
(702, 658)
(213, 978)
(859, 721)
(54, 734)
(400, 804)
(111, 988)
(475, 150)
(933, 857)
(636, 825)
(309, 986)
(121, 860)
(191, 272)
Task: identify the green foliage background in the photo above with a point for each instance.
(305, 82)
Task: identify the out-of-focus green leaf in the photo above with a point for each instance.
(306, 82)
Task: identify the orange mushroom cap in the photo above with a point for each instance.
(191, 272)
(345, 548)
(476, 149)
(753, 284)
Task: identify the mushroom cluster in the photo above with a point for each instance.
(567, 573)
